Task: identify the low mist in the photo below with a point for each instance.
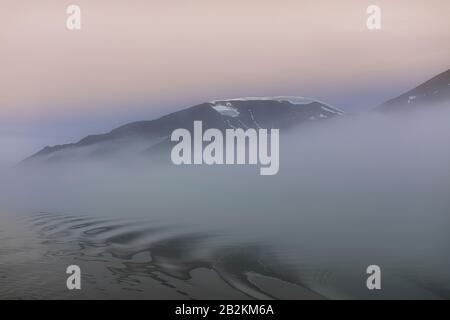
(351, 191)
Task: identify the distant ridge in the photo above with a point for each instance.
(432, 93)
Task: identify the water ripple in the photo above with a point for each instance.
(167, 255)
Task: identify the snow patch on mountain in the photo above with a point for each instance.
(226, 110)
(290, 99)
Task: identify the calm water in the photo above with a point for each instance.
(145, 258)
(137, 259)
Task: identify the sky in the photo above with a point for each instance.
(139, 59)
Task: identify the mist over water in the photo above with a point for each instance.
(351, 192)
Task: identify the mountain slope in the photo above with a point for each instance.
(144, 137)
(432, 93)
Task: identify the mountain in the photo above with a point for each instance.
(150, 137)
(432, 93)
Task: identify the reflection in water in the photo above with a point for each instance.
(138, 254)
(144, 259)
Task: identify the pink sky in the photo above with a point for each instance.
(162, 54)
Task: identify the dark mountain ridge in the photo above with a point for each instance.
(432, 93)
(266, 113)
